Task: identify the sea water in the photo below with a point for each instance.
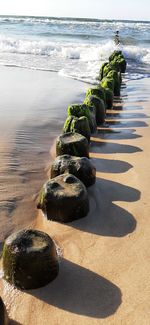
(73, 47)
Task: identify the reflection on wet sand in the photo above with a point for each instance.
(27, 131)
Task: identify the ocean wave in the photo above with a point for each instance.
(84, 52)
(27, 46)
(137, 54)
(97, 23)
(75, 60)
(72, 35)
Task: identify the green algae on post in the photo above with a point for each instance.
(109, 98)
(77, 125)
(101, 72)
(114, 74)
(29, 259)
(118, 58)
(96, 91)
(79, 110)
(67, 124)
(65, 199)
(108, 83)
(99, 108)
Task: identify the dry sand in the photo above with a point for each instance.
(104, 264)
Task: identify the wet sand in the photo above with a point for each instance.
(33, 108)
(104, 263)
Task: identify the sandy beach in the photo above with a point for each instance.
(104, 258)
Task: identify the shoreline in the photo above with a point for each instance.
(28, 129)
(102, 288)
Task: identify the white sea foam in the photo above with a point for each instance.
(27, 46)
(85, 52)
(136, 53)
(79, 60)
(70, 52)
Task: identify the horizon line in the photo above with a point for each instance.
(72, 17)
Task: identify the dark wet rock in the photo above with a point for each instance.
(99, 108)
(81, 125)
(64, 199)
(73, 144)
(81, 167)
(120, 77)
(109, 98)
(3, 313)
(29, 259)
(77, 125)
(92, 123)
(96, 91)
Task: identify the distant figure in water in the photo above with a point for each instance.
(116, 39)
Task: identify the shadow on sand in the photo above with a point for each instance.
(105, 217)
(111, 165)
(127, 124)
(80, 291)
(98, 146)
(127, 107)
(133, 99)
(127, 115)
(111, 134)
(14, 322)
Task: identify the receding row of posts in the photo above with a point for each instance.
(29, 256)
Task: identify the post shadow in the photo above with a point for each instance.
(134, 99)
(80, 291)
(107, 148)
(105, 217)
(127, 124)
(107, 133)
(117, 100)
(124, 95)
(110, 165)
(119, 108)
(14, 322)
(127, 115)
(120, 99)
(128, 107)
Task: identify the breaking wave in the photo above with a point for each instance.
(73, 47)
